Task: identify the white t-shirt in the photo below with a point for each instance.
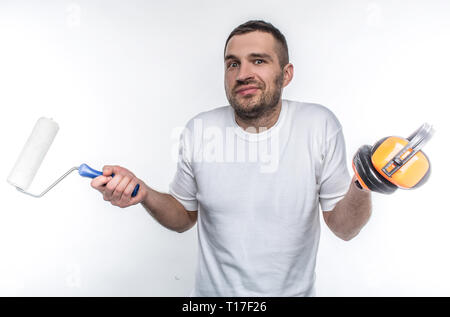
(258, 196)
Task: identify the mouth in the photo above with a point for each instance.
(247, 90)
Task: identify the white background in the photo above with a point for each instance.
(120, 76)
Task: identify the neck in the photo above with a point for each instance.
(262, 123)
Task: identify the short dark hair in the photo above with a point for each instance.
(262, 26)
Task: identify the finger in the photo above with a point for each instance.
(108, 170)
(140, 195)
(111, 186)
(117, 194)
(99, 181)
(126, 196)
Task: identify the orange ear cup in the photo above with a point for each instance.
(411, 173)
(427, 175)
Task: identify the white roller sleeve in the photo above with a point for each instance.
(33, 153)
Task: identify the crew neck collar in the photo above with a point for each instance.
(254, 137)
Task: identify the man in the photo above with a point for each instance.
(257, 209)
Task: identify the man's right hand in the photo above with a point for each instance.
(168, 211)
(118, 189)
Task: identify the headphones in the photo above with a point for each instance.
(394, 162)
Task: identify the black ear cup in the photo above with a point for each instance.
(368, 174)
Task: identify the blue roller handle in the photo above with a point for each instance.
(86, 171)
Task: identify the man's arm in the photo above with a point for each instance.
(168, 211)
(351, 213)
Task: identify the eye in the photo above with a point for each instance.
(233, 64)
(259, 61)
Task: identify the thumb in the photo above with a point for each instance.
(107, 170)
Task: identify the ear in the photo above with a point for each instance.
(288, 73)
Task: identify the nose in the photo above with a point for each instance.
(245, 72)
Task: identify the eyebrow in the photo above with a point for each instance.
(253, 55)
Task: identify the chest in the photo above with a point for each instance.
(279, 181)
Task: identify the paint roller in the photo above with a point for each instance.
(33, 154)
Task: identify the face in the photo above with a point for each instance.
(253, 77)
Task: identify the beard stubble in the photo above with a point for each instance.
(251, 107)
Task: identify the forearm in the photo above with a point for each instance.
(351, 213)
(165, 209)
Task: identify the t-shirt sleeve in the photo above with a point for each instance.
(183, 186)
(335, 178)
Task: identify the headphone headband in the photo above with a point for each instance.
(416, 141)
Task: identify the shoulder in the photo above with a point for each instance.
(311, 110)
(314, 115)
(217, 116)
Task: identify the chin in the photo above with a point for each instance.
(247, 105)
(249, 111)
